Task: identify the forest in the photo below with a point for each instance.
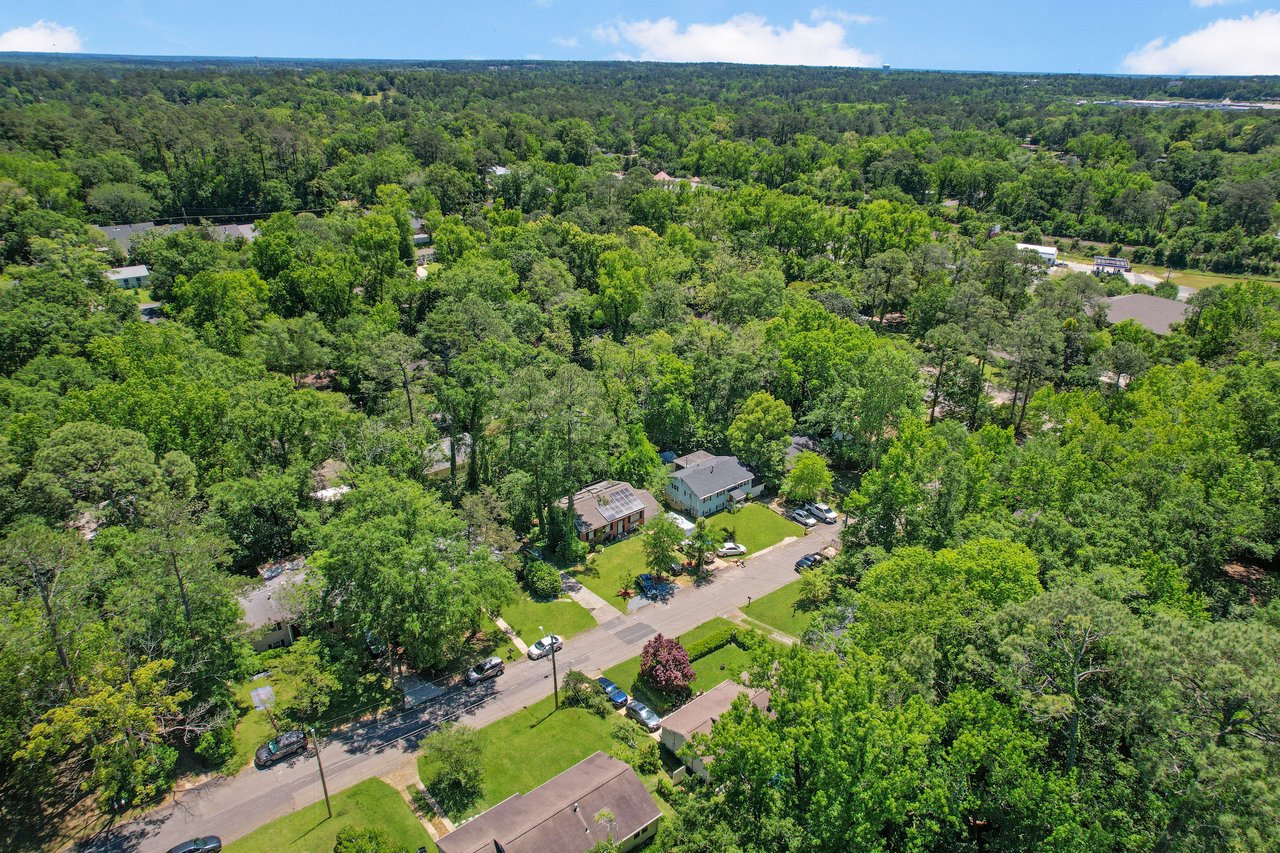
(1053, 622)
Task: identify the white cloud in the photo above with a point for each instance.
(1247, 45)
(42, 37)
(566, 41)
(1204, 4)
(823, 13)
(742, 38)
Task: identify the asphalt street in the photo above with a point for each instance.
(234, 806)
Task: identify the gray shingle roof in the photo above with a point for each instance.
(561, 814)
(715, 474)
(699, 714)
(1151, 312)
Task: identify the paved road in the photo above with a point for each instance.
(233, 807)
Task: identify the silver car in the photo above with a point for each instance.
(542, 648)
(731, 549)
(822, 512)
(644, 715)
(804, 518)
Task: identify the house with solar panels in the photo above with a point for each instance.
(609, 509)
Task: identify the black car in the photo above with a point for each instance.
(208, 844)
(486, 669)
(281, 747)
(613, 691)
(805, 562)
(644, 715)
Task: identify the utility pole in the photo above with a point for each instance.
(555, 679)
(323, 784)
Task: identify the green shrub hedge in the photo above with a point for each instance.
(744, 638)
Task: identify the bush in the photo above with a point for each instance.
(635, 748)
(583, 692)
(542, 580)
(366, 839)
(712, 642)
(216, 747)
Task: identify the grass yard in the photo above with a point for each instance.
(370, 803)
(564, 617)
(755, 527)
(613, 568)
(492, 642)
(721, 665)
(529, 747)
(779, 610)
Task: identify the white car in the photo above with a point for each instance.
(542, 648)
(804, 517)
(822, 512)
(731, 549)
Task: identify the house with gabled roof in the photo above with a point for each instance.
(608, 509)
(599, 800)
(703, 484)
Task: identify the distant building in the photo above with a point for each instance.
(327, 478)
(799, 444)
(269, 610)
(1109, 266)
(124, 235)
(439, 463)
(703, 484)
(610, 508)
(598, 799)
(700, 714)
(134, 276)
(1154, 313)
(246, 230)
(1047, 253)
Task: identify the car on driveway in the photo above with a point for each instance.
(648, 586)
(207, 844)
(731, 549)
(281, 747)
(644, 715)
(543, 647)
(486, 669)
(822, 512)
(615, 693)
(805, 562)
(803, 517)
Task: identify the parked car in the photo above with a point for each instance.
(816, 558)
(644, 715)
(822, 512)
(486, 669)
(207, 844)
(648, 586)
(615, 693)
(804, 562)
(803, 517)
(281, 747)
(543, 647)
(676, 567)
(731, 549)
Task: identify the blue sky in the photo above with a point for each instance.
(1143, 36)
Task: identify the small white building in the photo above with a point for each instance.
(1047, 253)
(133, 276)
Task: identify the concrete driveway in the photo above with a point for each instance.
(235, 806)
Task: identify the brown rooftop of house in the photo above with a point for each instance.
(607, 501)
(698, 715)
(689, 460)
(596, 798)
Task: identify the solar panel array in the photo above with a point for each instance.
(619, 504)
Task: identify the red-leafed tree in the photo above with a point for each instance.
(664, 666)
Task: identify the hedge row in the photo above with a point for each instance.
(743, 638)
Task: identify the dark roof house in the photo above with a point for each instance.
(1151, 312)
(597, 799)
(703, 484)
(700, 714)
(610, 508)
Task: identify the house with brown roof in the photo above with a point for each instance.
(609, 508)
(598, 799)
(700, 714)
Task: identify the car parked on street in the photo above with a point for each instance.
(644, 715)
(822, 512)
(543, 647)
(803, 517)
(281, 747)
(207, 844)
(731, 549)
(805, 562)
(486, 669)
(615, 693)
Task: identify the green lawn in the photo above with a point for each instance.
(564, 618)
(778, 610)
(720, 665)
(492, 642)
(612, 569)
(529, 747)
(309, 830)
(755, 526)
